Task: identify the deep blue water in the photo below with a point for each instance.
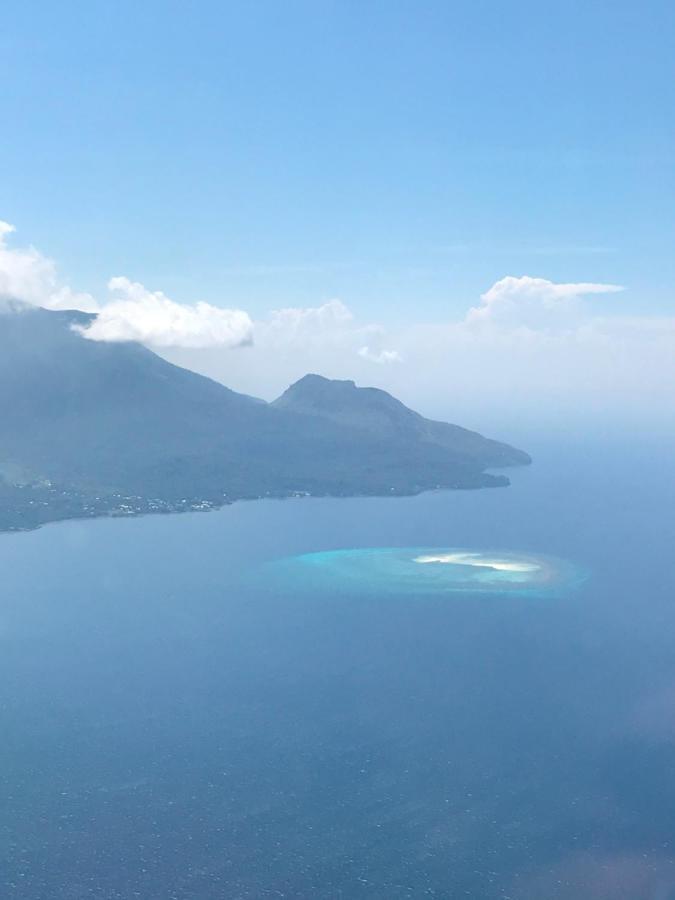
(179, 722)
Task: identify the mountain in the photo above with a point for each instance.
(88, 428)
(377, 413)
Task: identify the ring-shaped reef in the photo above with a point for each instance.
(427, 570)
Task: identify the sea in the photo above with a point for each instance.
(184, 716)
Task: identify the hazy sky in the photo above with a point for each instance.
(371, 169)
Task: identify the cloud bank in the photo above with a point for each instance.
(533, 302)
(28, 276)
(530, 346)
(381, 357)
(526, 343)
(136, 314)
(326, 329)
(130, 312)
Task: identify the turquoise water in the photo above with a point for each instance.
(426, 570)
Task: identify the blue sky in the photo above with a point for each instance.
(401, 156)
(439, 198)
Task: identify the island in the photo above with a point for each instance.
(90, 428)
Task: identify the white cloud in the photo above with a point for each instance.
(331, 326)
(294, 326)
(136, 314)
(322, 330)
(381, 357)
(552, 353)
(28, 276)
(529, 343)
(131, 313)
(292, 341)
(533, 302)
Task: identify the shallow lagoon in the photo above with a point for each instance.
(180, 722)
(425, 570)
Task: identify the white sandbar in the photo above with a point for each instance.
(474, 559)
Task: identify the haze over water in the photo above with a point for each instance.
(178, 724)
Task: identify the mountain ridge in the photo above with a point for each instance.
(374, 409)
(115, 420)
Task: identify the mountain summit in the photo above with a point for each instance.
(377, 413)
(89, 428)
